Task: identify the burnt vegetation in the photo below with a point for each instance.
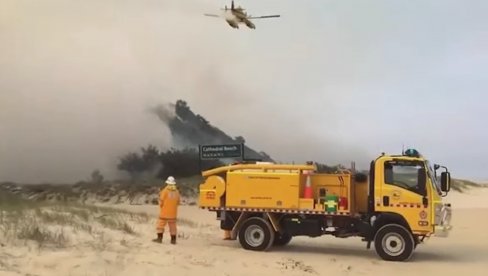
(152, 163)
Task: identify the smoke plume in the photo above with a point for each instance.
(78, 81)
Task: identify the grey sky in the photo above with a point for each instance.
(329, 81)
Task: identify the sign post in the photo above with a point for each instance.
(212, 152)
(215, 152)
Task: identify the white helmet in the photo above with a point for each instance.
(170, 180)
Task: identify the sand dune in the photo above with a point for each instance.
(472, 198)
(200, 250)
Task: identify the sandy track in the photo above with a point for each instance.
(200, 250)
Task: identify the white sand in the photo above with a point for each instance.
(202, 252)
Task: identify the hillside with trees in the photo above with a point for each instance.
(188, 131)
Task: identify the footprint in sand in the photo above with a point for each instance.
(296, 265)
(203, 263)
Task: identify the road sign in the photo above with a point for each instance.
(221, 151)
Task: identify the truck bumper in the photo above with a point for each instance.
(442, 225)
(442, 231)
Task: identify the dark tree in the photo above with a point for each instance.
(132, 163)
(97, 177)
(240, 140)
(150, 157)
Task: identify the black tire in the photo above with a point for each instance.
(394, 242)
(282, 239)
(256, 234)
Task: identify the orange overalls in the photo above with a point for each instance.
(169, 199)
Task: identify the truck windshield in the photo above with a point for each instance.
(433, 178)
(403, 174)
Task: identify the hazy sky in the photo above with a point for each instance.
(330, 81)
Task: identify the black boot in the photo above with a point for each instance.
(159, 239)
(173, 239)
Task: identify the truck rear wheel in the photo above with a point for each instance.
(256, 234)
(282, 239)
(394, 242)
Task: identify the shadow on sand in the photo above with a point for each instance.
(466, 254)
(331, 251)
(419, 256)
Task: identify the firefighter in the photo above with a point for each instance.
(169, 200)
(227, 235)
(224, 225)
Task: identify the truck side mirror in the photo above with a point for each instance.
(421, 181)
(445, 182)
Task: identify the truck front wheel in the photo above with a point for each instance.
(256, 234)
(394, 242)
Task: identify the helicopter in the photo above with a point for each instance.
(237, 15)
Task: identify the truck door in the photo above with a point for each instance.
(402, 190)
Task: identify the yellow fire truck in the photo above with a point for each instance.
(395, 206)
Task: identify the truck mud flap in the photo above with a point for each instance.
(242, 217)
(274, 221)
